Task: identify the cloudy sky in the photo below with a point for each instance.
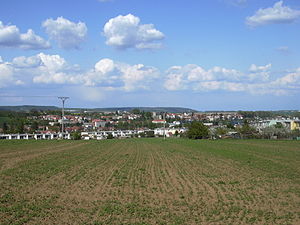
(206, 55)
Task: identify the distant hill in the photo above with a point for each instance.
(28, 108)
(146, 109)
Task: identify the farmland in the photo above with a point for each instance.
(150, 181)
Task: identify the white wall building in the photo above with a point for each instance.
(46, 136)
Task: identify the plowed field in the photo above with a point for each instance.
(150, 181)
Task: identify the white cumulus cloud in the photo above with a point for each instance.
(116, 75)
(220, 85)
(43, 68)
(26, 62)
(193, 76)
(273, 15)
(256, 81)
(10, 36)
(106, 73)
(137, 76)
(53, 69)
(7, 76)
(255, 68)
(67, 33)
(124, 32)
(109, 75)
(259, 72)
(105, 66)
(289, 80)
(175, 82)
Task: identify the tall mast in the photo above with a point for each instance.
(63, 99)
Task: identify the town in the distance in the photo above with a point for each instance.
(33, 122)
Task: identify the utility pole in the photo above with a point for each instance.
(63, 99)
(165, 126)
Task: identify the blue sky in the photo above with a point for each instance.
(206, 55)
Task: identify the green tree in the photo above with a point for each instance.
(148, 115)
(230, 126)
(136, 111)
(110, 136)
(108, 125)
(34, 126)
(123, 125)
(221, 131)
(76, 135)
(34, 112)
(197, 130)
(246, 131)
(20, 127)
(4, 127)
(278, 125)
(149, 134)
(295, 133)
